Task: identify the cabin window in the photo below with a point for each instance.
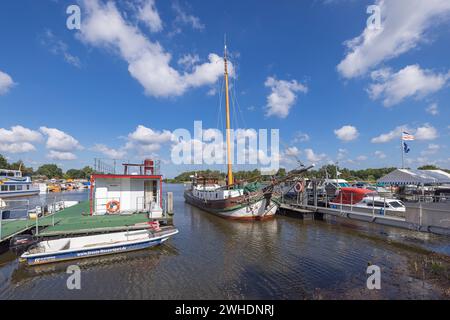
(379, 204)
(4, 188)
(19, 188)
(28, 187)
(12, 188)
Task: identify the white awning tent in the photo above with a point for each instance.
(415, 177)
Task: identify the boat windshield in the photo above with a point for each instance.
(396, 204)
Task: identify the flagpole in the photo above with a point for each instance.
(402, 149)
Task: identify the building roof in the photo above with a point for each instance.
(415, 177)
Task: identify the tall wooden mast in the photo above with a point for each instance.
(227, 103)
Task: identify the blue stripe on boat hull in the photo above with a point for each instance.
(92, 252)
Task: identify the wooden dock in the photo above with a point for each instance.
(296, 211)
(71, 221)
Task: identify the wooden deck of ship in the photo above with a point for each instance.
(71, 221)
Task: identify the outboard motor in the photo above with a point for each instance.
(20, 243)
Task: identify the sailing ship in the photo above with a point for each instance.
(232, 201)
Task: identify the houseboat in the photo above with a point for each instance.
(137, 189)
(13, 184)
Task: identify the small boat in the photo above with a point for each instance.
(13, 184)
(366, 201)
(49, 251)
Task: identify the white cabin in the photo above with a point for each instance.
(129, 192)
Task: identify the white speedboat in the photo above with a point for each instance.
(366, 201)
(13, 184)
(49, 251)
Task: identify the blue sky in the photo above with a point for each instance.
(137, 70)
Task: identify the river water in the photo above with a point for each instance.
(213, 258)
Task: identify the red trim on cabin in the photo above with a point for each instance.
(130, 176)
(160, 193)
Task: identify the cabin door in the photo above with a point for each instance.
(148, 194)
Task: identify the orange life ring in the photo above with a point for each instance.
(113, 206)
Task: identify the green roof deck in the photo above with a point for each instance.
(74, 220)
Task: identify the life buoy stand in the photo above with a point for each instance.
(113, 206)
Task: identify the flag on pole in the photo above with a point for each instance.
(406, 136)
(406, 148)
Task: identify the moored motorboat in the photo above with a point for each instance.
(366, 201)
(49, 251)
(13, 184)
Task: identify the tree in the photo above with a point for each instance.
(74, 174)
(19, 165)
(3, 162)
(87, 172)
(428, 167)
(51, 171)
(281, 172)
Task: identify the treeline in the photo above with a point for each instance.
(238, 175)
(330, 171)
(50, 171)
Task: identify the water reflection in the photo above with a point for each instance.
(214, 258)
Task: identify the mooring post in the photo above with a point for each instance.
(373, 205)
(315, 194)
(420, 215)
(170, 202)
(351, 202)
(37, 223)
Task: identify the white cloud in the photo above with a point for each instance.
(189, 60)
(16, 147)
(282, 97)
(386, 137)
(59, 47)
(18, 139)
(342, 154)
(433, 109)
(301, 137)
(148, 62)
(425, 132)
(347, 133)
(431, 149)
(380, 154)
(361, 158)
(150, 16)
(411, 81)
(292, 152)
(146, 140)
(19, 134)
(61, 155)
(403, 27)
(6, 83)
(146, 135)
(313, 157)
(109, 152)
(182, 17)
(60, 141)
